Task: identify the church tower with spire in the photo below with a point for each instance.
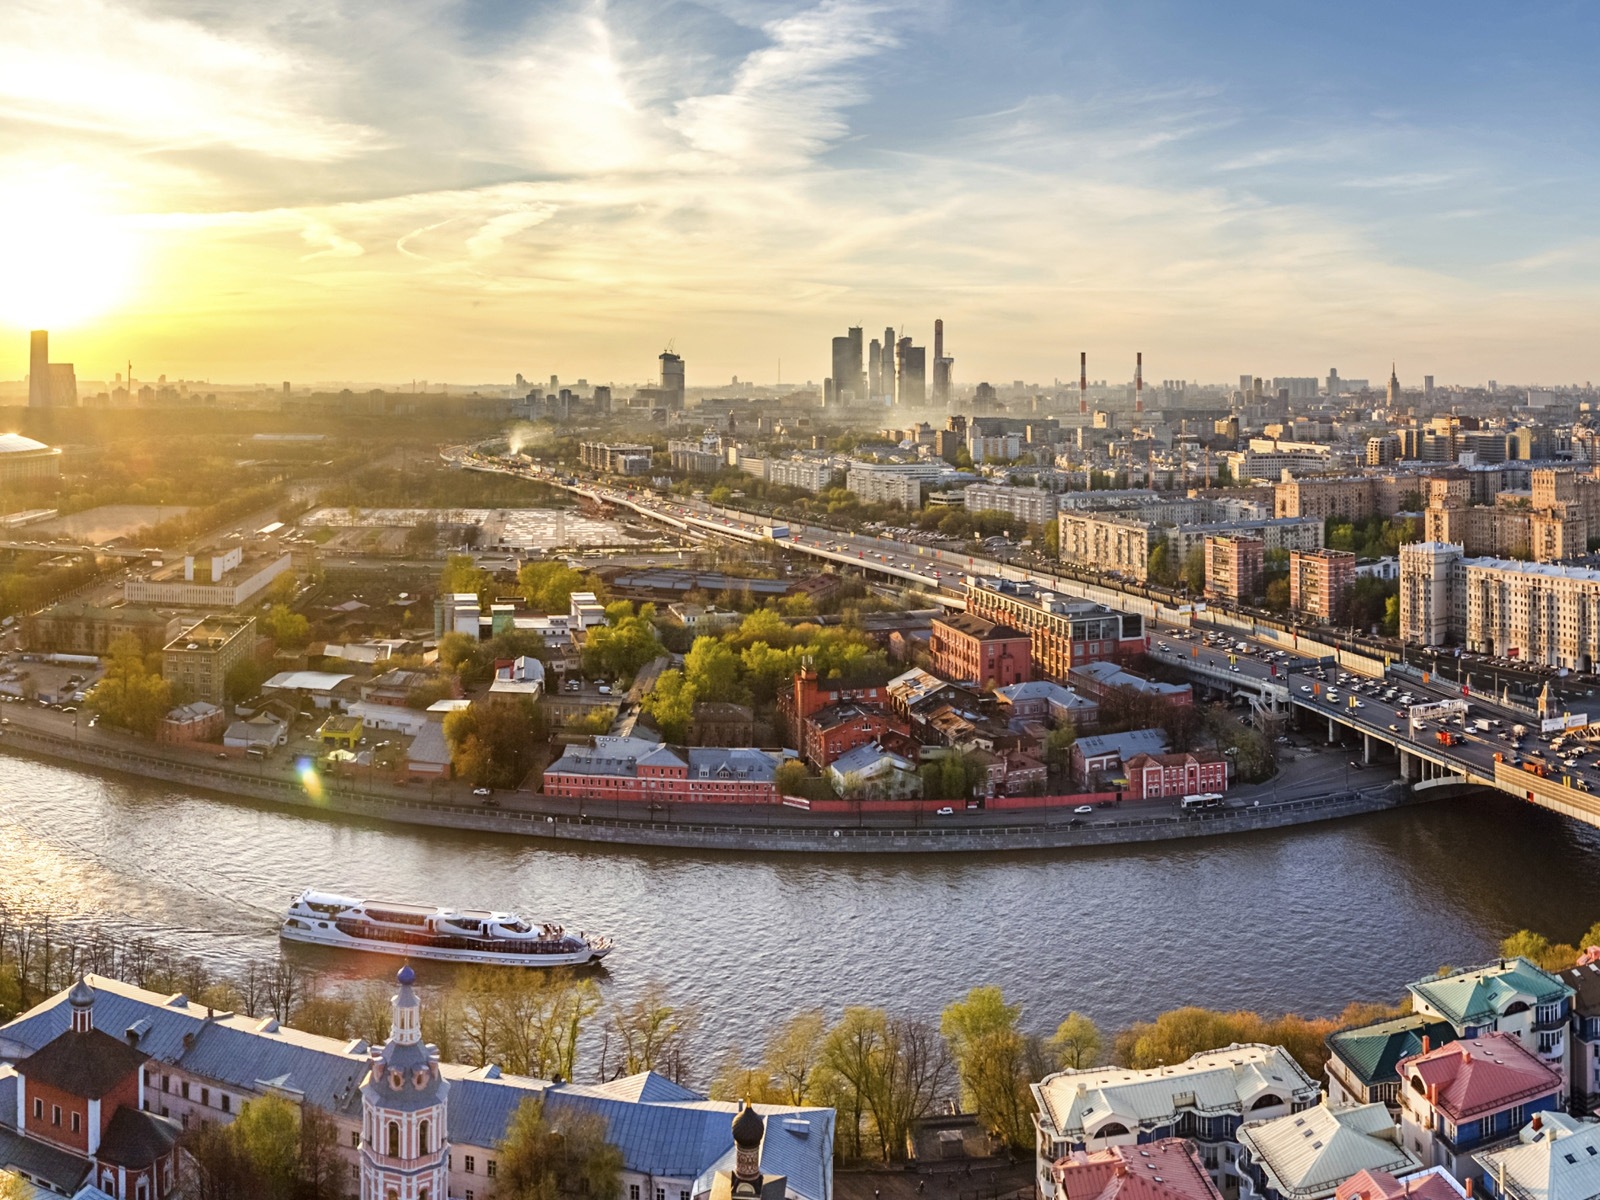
(404, 1143)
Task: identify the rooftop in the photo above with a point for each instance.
(1166, 1169)
(1309, 1154)
(15, 443)
(1124, 745)
(1371, 1051)
(1233, 1079)
(981, 628)
(1480, 1075)
(1556, 1157)
(1475, 995)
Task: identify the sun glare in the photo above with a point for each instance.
(64, 258)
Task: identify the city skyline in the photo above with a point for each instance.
(568, 189)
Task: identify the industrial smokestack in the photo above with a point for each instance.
(1083, 382)
(1138, 381)
(938, 339)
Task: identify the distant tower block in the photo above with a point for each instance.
(1138, 381)
(1083, 383)
(39, 369)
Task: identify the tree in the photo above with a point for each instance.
(1160, 567)
(458, 652)
(244, 680)
(1052, 538)
(551, 1156)
(1591, 936)
(712, 668)
(1278, 595)
(286, 627)
(650, 1035)
(548, 586)
(619, 649)
(461, 575)
(1076, 1042)
(671, 705)
(495, 744)
(791, 778)
(260, 1150)
(992, 1061)
(1539, 950)
(1194, 570)
(283, 589)
(129, 695)
(793, 1054)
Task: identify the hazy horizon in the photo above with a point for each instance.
(464, 191)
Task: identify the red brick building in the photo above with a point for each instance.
(80, 1098)
(838, 729)
(990, 655)
(1154, 775)
(1065, 632)
(1319, 581)
(637, 771)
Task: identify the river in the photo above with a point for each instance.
(1303, 919)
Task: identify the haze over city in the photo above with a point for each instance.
(467, 191)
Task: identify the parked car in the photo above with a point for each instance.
(946, 811)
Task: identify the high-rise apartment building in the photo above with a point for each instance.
(1029, 505)
(942, 367)
(1432, 604)
(875, 369)
(1234, 567)
(1319, 581)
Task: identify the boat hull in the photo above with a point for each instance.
(344, 941)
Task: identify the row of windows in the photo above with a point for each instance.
(55, 1115)
(633, 1193)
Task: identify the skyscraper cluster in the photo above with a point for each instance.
(895, 372)
(50, 385)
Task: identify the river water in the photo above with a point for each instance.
(1303, 919)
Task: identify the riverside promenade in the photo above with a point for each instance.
(1313, 795)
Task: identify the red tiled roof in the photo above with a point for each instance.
(1480, 1076)
(1168, 1169)
(1380, 1185)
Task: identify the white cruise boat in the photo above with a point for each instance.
(446, 935)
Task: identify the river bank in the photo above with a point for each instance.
(769, 829)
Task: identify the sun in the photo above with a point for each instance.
(65, 258)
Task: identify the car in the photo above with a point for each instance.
(1076, 823)
(946, 811)
(1084, 808)
(482, 791)
(222, 756)
(1393, 728)
(1306, 688)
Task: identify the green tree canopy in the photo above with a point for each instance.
(554, 1156)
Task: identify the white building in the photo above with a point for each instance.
(1029, 505)
(890, 483)
(231, 581)
(813, 475)
(1205, 1098)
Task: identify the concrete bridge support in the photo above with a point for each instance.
(1366, 748)
(1333, 733)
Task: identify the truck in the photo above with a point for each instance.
(1518, 731)
(1481, 724)
(777, 531)
(1536, 768)
(1447, 738)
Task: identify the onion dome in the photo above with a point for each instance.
(748, 1128)
(406, 976)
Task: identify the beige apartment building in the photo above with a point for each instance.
(1551, 521)
(1537, 612)
(1350, 498)
(1432, 601)
(1108, 543)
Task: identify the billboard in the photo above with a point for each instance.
(1566, 721)
(1442, 708)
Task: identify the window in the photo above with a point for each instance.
(394, 1140)
(227, 1102)
(38, 1109)
(661, 1194)
(166, 1083)
(205, 1096)
(77, 1123)
(633, 1191)
(471, 1165)
(422, 1138)
(55, 1115)
(183, 1089)
(489, 1168)
(355, 1139)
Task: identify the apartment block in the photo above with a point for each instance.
(1432, 600)
(1029, 505)
(1350, 498)
(615, 460)
(1064, 631)
(1319, 580)
(809, 474)
(197, 661)
(969, 647)
(1234, 567)
(1108, 543)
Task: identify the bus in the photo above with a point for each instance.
(1201, 800)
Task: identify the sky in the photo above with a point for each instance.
(315, 190)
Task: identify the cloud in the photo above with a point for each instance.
(100, 68)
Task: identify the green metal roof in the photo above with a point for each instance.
(1479, 994)
(1371, 1051)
